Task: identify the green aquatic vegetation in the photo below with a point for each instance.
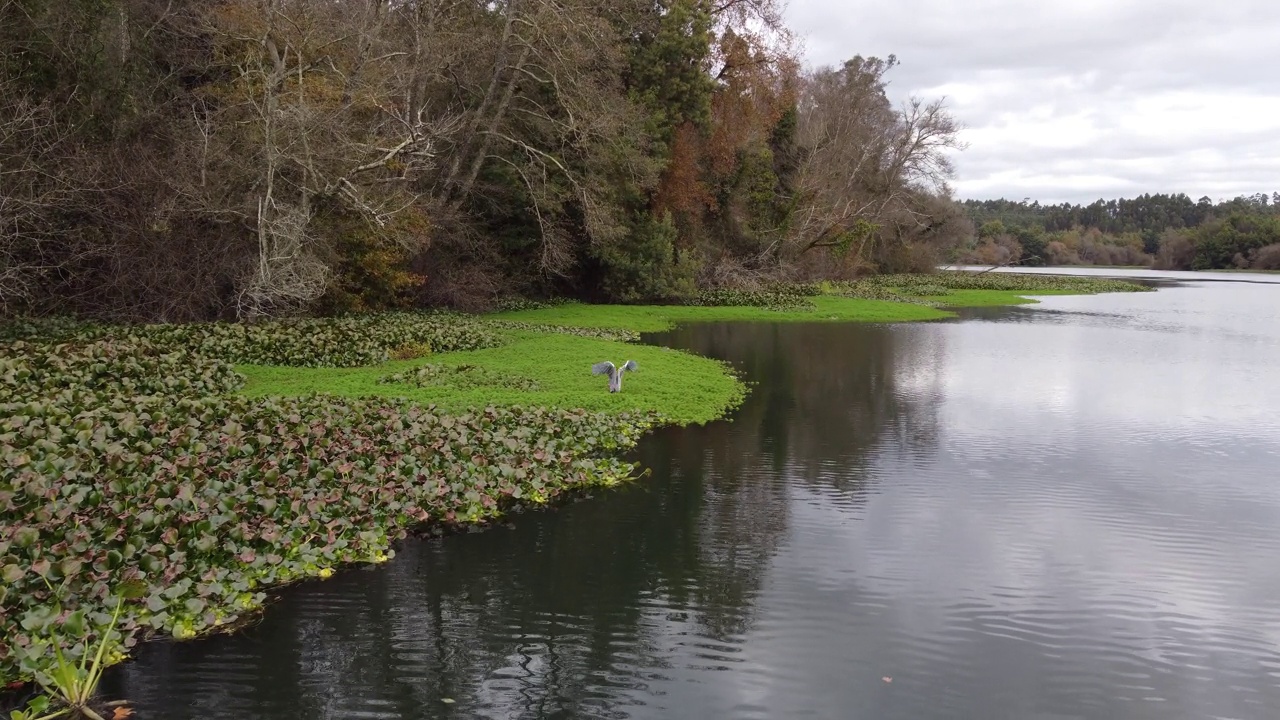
(925, 290)
(773, 297)
(327, 342)
(461, 377)
(127, 366)
(70, 685)
(620, 334)
(208, 501)
(314, 342)
(956, 289)
(656, 318)
(51, 329)
(929, 284)
(128, 462)
(206, 463)
(988, 298)
(871, 291)
(520, 303)
(683, 387)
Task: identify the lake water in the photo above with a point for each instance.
(1070, 510)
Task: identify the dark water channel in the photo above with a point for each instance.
(1067, 511)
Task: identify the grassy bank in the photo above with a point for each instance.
(987, 298)
(185, 469)
(882, 298)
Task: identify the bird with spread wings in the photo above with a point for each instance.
(614, 373)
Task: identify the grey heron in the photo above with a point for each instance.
(614, 373)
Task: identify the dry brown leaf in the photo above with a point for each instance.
(121, 713)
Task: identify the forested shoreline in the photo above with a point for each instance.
(1169, 232)
(236, 159)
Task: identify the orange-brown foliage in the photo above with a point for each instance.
(757, 85)
(681, 190)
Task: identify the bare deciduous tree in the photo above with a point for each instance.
(864, 163)
(316, 109)
(42, 182)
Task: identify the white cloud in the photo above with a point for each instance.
(1080, 100)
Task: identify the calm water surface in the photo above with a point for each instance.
(1066, 511)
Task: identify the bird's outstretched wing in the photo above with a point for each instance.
(604, 368)
(629, 365)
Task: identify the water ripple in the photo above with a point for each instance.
(1062, 512)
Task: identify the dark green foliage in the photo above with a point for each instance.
(1145, 213)
(646, 266)
(462, 377)
(1033, 244)
(765, 204)
(666, 73)
(208, 500)
(619, 334)
(1218, 243)
(316, 342)
(343, 342)
(782, 297)
(130, 366)
(884, 287)
(1225, 234)
(991, 228)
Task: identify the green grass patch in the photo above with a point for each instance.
(656, 318)
(967, 289)
(683, 387)
(989, 298)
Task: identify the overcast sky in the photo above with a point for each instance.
(1075, 100)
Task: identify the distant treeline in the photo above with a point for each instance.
(1165, 231)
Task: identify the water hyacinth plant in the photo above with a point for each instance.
(313, 342)
(70, 684)
(461, 376)
(130, 461)
(778, 296)
(209, 500)
(910, 288)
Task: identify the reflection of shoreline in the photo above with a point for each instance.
(827, 395)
